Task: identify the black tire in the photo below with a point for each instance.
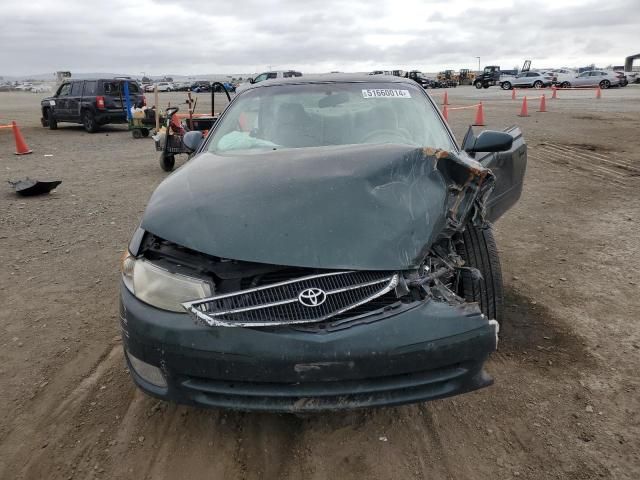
(486, 85)
(89, 122)
(477, 247)
(167, 162)
(506, 86)
(51, 120)
(478, 85)
(604, 84)
(565, 85)
(538, 84)
(136, 133)
(145, 132)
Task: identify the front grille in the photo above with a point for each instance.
(292, 302)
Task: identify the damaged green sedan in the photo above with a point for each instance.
(328, 247)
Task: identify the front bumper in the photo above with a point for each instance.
(432, 351)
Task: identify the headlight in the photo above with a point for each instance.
(159, 287)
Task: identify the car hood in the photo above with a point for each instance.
(344, 207)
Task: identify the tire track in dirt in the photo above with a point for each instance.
(55, 415)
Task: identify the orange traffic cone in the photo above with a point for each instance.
(446, 99)
(599, 93)
(524, 111)
(479, 116)
(555, 93)
(445, 113)
(513, 94)
(543, 104)
(21, 145)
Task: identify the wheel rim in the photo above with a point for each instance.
(537, 85)
(507, 86)
(88, 121)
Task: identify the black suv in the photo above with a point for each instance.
(91, 103)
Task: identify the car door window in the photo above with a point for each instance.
(64, 90)
(112, 88)
(76, 89)
(89, 89)
(260, 78)
(272, 75)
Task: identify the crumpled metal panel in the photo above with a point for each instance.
(368, 207)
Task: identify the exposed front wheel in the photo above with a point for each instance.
(605, 84)
(478, 85)
(51, 120)
(477, 247)
(565, 85)
(538, 84)
(485, 85)
(506, 86)
(89, 122)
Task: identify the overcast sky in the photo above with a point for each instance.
(188, 37)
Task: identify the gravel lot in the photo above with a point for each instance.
(566, 400)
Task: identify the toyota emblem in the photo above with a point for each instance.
(312, 297)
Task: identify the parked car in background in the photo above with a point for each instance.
(91, 103)
(622, 78)
(379, 285)
(41, 88)
(230, 87)
(594, 78)
(527, 80)
(632, 77)
(165, 87)
(268, 76)
(201, 86)
(562, 75)
(420, 78)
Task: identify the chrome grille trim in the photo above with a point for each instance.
(341, 296)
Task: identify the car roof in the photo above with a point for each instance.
(113, 79)
(333, 78)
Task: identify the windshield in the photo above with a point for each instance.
(314, 115)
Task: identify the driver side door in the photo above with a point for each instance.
(61, 107)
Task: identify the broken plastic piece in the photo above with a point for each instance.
(29, 187)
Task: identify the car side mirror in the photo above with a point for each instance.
(487, 141)
(251, 80)
(192, 140)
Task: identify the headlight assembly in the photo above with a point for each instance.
(159, 287)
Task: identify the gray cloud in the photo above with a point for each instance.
(191, 36)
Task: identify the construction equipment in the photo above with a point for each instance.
(465, 77)
(448, 78)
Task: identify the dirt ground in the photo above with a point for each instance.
(566, 399)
